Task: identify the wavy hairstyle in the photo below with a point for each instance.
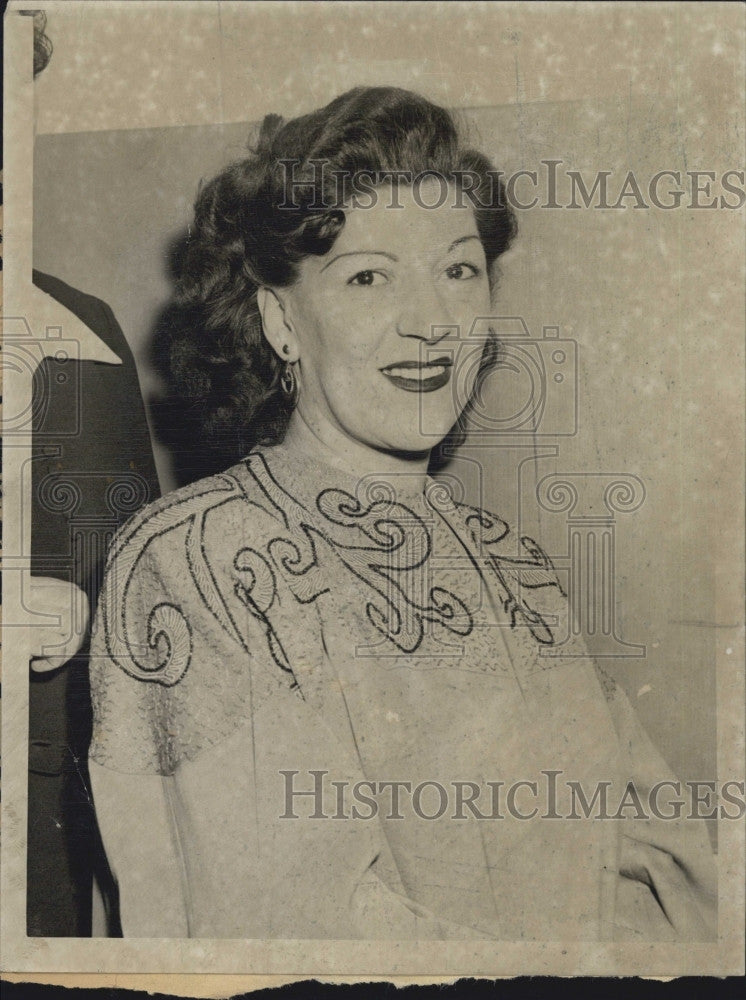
(43, 47)
(257, 219)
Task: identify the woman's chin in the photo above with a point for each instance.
(415, 443)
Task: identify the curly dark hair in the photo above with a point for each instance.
(258, 218)
(42, 44)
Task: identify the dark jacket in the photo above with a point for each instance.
(92, 468)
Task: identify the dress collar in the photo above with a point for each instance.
(306, 475)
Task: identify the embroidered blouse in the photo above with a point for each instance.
(331, 708)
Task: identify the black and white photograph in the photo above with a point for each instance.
(373, 488)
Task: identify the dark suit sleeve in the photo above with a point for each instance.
(92, 467)
(93, 461)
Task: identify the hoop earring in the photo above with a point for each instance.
(289, 384)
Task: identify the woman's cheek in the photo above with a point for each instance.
(467, 363)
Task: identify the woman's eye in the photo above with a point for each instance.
(462, 271)
(366, 278)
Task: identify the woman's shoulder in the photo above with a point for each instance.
(216, 506)
(181, 631)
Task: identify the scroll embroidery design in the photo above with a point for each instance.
(166, 658)
(514, 573)
(382, 544)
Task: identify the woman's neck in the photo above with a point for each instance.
(354, 458)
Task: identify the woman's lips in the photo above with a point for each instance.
(414, 376)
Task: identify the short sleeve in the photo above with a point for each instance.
(170, 653)
(129, 702)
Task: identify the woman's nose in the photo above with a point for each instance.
(424, 314)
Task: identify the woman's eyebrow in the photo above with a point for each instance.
(391, 256)
(460, 240)
(356, 253)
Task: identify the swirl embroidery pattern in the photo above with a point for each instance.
(514, 573)
(385, 544)
(169, 635)
(382, 544)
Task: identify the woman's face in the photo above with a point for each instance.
(382, 322)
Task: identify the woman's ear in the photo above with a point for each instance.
(276, 325)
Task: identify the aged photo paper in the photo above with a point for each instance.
(373, 491)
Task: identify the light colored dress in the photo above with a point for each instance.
(284, 628)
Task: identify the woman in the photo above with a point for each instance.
(294, 657)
